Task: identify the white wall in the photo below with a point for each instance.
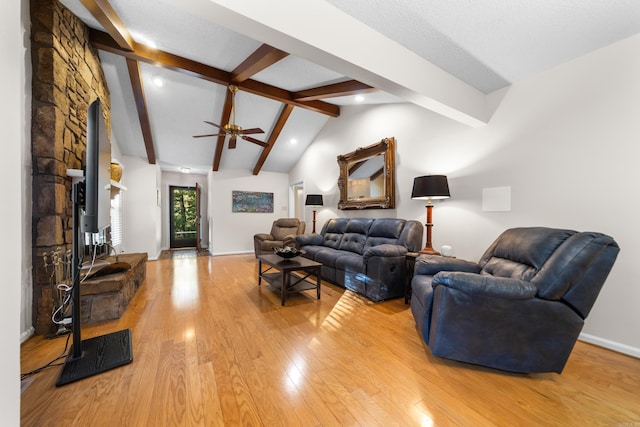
(184, 180)
(565, 141)
(233, 232)
(26, 311)
(142, 229)
(15, 251)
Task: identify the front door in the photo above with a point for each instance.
(184, 204)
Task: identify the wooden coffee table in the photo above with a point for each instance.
(278, 274)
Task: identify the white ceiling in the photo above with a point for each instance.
(485, 45)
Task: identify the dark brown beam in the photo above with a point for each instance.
(286, 97)
(264, 57)
(356, 166)
(141, 106)
(350, 87)
(376, 174)
(284, 116)
(159, 58)
(109, 19)
(224, 119)
(103, 41)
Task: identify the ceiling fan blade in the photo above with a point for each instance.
(232, 142)
(213, 124)
(211, 134)
(251, 131)
(255, 141)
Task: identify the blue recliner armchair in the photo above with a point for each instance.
(521, 307)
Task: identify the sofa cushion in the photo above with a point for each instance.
(384, 231)
(333, 232)
(332, 240)
(329, 257)
(387, 227)
(312, 250)
(359, 225)
(353, 242)
(335, 225)
(519, 253)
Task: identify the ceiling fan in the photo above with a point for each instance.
(232, 129)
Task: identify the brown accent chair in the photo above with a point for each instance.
(283, 233)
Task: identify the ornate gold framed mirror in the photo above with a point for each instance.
(367, 177)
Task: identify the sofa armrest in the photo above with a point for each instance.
(432, 264)
(486, 285)
(263, 236)
(386, 250)
(309, 239)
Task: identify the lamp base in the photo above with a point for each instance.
(429, 251)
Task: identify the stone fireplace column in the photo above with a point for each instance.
(67, 77)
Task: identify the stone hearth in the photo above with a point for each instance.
(107, 297)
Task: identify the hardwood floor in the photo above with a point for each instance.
(212, 348)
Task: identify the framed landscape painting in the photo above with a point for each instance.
(251, 201)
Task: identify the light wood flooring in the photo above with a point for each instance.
(212, 348)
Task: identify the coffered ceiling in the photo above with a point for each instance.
(296, 63)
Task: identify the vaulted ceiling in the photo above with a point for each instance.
(168, 64)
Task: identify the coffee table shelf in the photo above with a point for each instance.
(278, 274)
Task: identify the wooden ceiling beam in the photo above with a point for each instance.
(140, 52)
(226, 114)
(109, 19)
(376, 174)
(284, 116)
(350, 87)
(141, 105)
(264, 57)
(286, 97)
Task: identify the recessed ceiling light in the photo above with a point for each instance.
(359, 98)
(293, 141)
(158, 81)
(185, 170)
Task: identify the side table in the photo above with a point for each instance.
(410, 264)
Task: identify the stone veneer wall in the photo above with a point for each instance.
(67, 77)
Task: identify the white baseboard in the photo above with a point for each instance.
(611, 345)
(231, 253)
(26, 334)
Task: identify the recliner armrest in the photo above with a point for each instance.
(432, 264)
(486, 285)
(386, 250)
(290, 240)
(309, 239)
(263, 236)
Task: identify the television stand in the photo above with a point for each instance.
(99, 354)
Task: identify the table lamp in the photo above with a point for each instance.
(430, 187)
(314, 200)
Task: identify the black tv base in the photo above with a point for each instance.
(99, 354)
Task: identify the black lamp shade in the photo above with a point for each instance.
(430, 187)
(314, 200)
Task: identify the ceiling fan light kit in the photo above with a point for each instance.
(232, 129)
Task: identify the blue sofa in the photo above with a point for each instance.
(365, 255)
(521, 307)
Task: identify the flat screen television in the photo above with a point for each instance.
(95, 220)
